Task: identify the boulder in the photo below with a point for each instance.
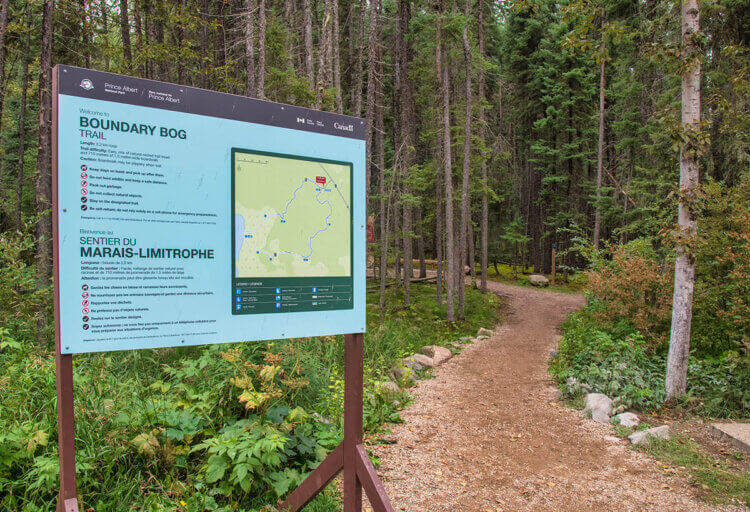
(538, 280)
(644, 436)
(402, 375)
(485, 332)
(599, 406)
(438, 354)
(412, 363)
(627, 419)
(423, 360)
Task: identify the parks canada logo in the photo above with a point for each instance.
(87, 84)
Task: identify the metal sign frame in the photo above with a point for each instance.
(350, 456)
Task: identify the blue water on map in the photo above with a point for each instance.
(239, 234)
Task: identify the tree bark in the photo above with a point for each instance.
(371, 87)
(127, 53)
(336, 49)
(464, 226)
(324, 52)
(684, 282)
(484, 228)
(307, 20)
(600, 151)
(105, 32)
(406, 95)
(261, 82)
(357, 90)
(44, 168)
(450, 241)
(250, 89)
(4, 13)
(22, 122)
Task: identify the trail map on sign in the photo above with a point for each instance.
(292, 216)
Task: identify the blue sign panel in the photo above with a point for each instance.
(186, 216)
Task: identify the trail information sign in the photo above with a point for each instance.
(185, 216)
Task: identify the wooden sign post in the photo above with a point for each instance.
(351, 455)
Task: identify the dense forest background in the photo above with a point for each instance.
(498, 130)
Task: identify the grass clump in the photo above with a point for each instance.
(716, 477)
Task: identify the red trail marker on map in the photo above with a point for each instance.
(320, 179)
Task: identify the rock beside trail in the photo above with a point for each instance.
(627, 419)
(388, 386)
(438, 354)
(485, 332)
(402, 374)
(413, 364)
(645, 435)
(599, 406)
(424, 360)
(572, 383)
(538, 280)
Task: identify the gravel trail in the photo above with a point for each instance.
(486, 435)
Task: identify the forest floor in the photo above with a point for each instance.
(487, 435)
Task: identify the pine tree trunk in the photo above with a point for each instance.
(450, 239)
(307, 20)
(371, 88)
(336, 49)
(384, 198)
(484, 244)
(406, 95)
(684, 273)
(250, 89)
(105, 32)
(44, 168)
(420, 243)
(139, 40)
(357, 91)
(261, 82)
(22, 122)
(127, 53)
(323, 54)
(600, 151)
(4, 13)
(439, 156)
(464, 226)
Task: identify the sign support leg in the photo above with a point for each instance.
(68, 499)
(351, 455)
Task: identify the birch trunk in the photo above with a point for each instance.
(684, 272)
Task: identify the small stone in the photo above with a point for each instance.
(423, 360)
(556, 394)
(438, 354)
(479, 338)
(388, 386)
(485, 332)
(599, 406)
(627, 419)
(612, 439)
(645, 435)
(402, 375)
(412, 363)
(538, 280)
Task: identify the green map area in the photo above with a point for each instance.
(292, 216)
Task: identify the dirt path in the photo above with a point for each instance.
(486, 435)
